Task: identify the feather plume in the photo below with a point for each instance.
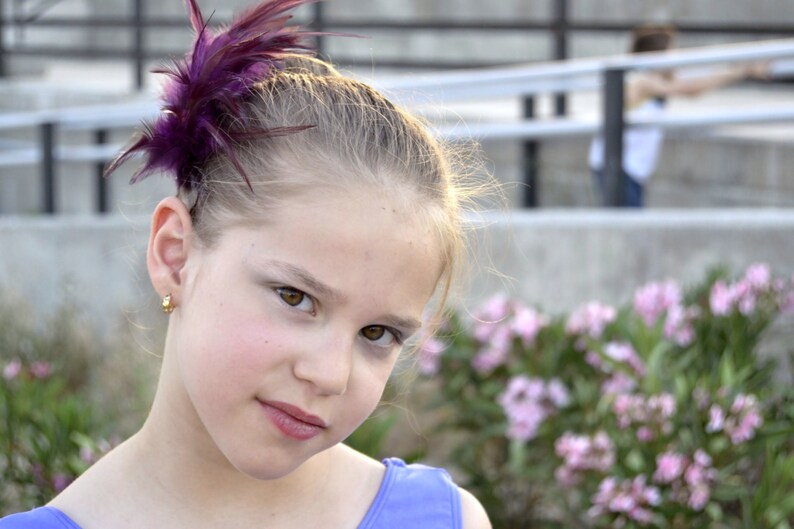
(208, 85)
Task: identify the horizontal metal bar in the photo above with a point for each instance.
(84, 117)
(551, 128)
(125, 53)
(530, 129)
(74, 53)
(538, 78)
(413, 25)
(64, 153)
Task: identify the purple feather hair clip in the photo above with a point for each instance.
(208, 86)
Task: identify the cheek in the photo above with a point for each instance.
(231, 353)
(371, 381)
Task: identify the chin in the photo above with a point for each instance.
(271, 466)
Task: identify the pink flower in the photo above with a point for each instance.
(430, 355)
(619, 383)
(594, 359)
(651, 414)
(721, 299)
(644, 516)
(527, 402)
(557, 393)
(566, 477)
(527, 323)
(619, 351)
(678, 325)
(60, 482)
(521, 389)
(740, 422)
(12, 370)
(590, 319)
(581, 453)
(488, 359)
(624, 353)
(716, 419)
(496, 309)
(743, 402)
(525, 420)
(699, 478)
(702, 458)
(630, 500)
(746, 297)
(495, 351)
(645, 434)
(87, 455)
(746, 427)
(40, 370)
(699, 497)
(669, 467)
(654, 299)
(490, 319)
(759, 276)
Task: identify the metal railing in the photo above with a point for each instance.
(559, 27)
(525, 81)
(608, 74)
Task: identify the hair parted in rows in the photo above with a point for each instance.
(250, 118)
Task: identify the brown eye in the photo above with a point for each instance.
(297, 299)
(373, 332)
(291, 296)
(381, 336)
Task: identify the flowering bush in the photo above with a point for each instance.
(56, 419)
(657, 414)
(44, 432)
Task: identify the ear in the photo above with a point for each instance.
(169, 246)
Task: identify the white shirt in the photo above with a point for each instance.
(641, 145)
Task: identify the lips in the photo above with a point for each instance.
(292, 421)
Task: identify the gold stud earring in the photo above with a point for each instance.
(168, 305)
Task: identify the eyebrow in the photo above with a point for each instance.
(308, 280)
(318, 287)
(411, 325)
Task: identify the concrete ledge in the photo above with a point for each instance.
(559, 259)
(554, 258)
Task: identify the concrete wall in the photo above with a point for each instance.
(556, 259)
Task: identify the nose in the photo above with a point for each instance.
(327, 364)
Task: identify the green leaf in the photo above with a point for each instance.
(634, 460)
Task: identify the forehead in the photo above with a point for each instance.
(351, 241)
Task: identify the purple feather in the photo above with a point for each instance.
(208, 85)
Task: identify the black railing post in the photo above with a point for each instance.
(137, 43)
(47, 136)
(102, 190)
(530, 160)
(3, 66)
(613, 124)
(560, 48)
(318, 24)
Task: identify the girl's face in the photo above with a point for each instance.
(287, 330)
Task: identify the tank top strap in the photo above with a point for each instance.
(39, 518)
(415, 496)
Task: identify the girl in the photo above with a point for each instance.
(313, 222)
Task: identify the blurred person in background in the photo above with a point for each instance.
(646, 96)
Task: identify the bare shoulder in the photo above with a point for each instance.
(645, 86)
(357, 469)
(474, 515)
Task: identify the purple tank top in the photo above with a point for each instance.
(415, 496)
